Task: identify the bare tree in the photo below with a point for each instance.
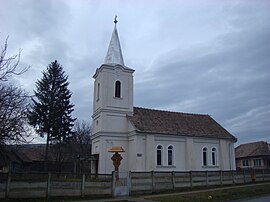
(82, 132)
(8, 65)
(80, 146)
(13, 100)
(77, 149)
(13, 114)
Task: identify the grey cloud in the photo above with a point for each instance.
(210, 58)
(227, 79)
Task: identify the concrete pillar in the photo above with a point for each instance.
(190, 178)
(49, 185)
(173, 180)
(113, 183)
(83, 185)
(206, 177)
(153, 181)
(233, 176)
(221, 177)
(8, 184)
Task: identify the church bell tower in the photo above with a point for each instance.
(113, 92)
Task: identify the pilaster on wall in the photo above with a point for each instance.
(232, 157)
(150, 153)
(226, 155)
(189, 154)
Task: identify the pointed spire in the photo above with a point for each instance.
(114, 53)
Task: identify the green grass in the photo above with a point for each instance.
(218, 195)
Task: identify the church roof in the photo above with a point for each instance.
(260, 148)
(176, 123)
(114, 53)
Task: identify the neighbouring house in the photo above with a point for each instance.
(31, 158)
(11, 160)
(153, 140)
(254, 155)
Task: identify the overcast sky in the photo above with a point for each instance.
(208, 57)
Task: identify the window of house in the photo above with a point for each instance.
(257, 162)
(204, 156)
(245, 162)
(268, 163)
(159, 155)
(214, 156)
(117, 92)
(170, 155)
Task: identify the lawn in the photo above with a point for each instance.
(218, 195)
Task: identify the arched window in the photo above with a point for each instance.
(214, 156)
(159, 155)
(117, 91)
(170, 155)
(204, 156)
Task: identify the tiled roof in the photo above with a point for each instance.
(34, 152)
(176, 123)
(252, 149)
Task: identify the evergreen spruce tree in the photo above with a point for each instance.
(51, 110)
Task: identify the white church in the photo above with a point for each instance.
(153, 140)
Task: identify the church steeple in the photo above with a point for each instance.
(114, 53)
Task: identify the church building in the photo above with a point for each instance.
(153, 140)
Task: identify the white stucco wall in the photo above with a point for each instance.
(141, 155)
(187, 153)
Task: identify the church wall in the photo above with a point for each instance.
(131, 154)
(178, 144)
(232, 156)
(137, 153)
(199, 144)
(188, 153)
(150, 152)
(115, 122)
(227, 155)
(140, 152)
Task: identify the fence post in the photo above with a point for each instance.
(173, 180)
(8, 184)
(113, 182)
(49, 185)
(129, 182)
(253, 175)
(190, 178)
(233, 176)
(221, 178)
(153, 181)
(244, 173)
(206, 177)
(83, 185)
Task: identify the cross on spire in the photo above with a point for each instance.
(115, 20)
